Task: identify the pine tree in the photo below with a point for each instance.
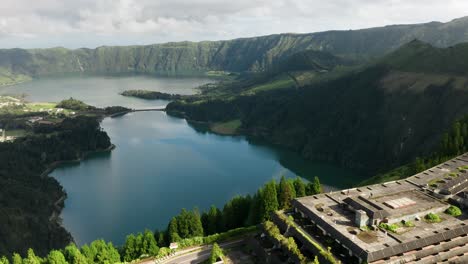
(196, 227)
(173, 231)
(317, 186)
(129, 249)
(4, 260)
(269, 200)
(189, 224)
(300, 187)
(56, 257)
(236, 212)
(100, 252)
(314, 187)
(183, 222)
(16, 259)
(285, 194)
(210, 221)
(140, 247)
(32, 258)
(255, 210)
(112, 255)
(73, 255)
(89, 253)
(150, 243)
(160, 238)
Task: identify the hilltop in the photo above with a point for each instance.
(238, 55)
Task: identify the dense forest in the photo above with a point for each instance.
(30, 200)
(453, 142)
(372, 118)
(188, 228)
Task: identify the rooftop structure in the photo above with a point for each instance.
(354, 217)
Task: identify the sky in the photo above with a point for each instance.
(93, 23)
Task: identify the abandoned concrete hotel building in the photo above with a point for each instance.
(354, 217)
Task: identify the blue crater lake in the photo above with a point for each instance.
(161, 163)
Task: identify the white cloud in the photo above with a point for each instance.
(77, 23)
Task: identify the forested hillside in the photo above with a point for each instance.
(371, 118)
(30, 201)
(238, 55)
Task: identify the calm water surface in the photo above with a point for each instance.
(102, 91)
(161, 163)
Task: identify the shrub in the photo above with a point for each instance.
(216, 253)
(407, 223)
(228, 234)
(188, 242)
(389, 227)
(164, 251)
(73, 104)
(453, 211)
(432, 218)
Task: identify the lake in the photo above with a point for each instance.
(102, 91)
(161, 163)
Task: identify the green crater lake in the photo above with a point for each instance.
(161, 163)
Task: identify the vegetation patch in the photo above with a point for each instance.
(151, 95)
(407, 223)
(217, 254)
(9, 78)
(462, 169)
(453, 211)
(287, 244)
(227, 128)
(217, 73)
(453, 174)
(389, 227)
(291, 223)
(282, 82)
(433, 218)
(435, 182)
(73, 104)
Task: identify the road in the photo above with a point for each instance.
(196, 255)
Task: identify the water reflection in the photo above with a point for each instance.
(331, 176)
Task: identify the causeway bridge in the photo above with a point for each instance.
(148, 109)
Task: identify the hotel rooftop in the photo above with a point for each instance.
(353, 217)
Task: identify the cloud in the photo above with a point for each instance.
(74, 23)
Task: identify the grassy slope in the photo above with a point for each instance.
(9, 78)
(279, 82)
(227, 128)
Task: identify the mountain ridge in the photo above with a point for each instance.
(254, 54)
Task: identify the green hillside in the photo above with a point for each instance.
(238, 55)
(371, 118)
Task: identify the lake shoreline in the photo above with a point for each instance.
(50, 168)
(145, 142)
(59, 205)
